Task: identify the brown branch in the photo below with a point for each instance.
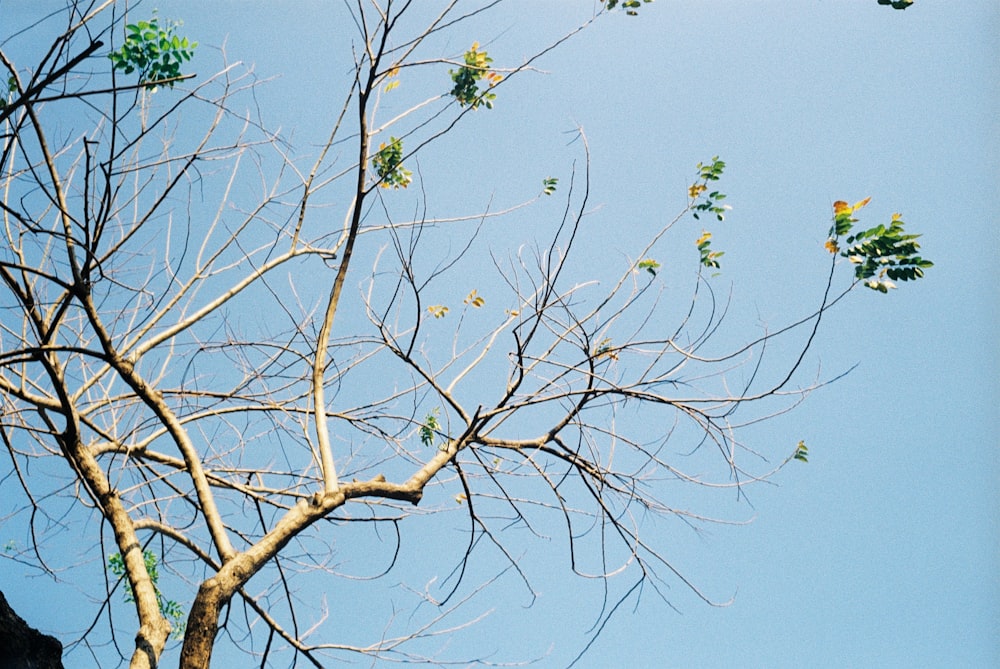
(25, 97)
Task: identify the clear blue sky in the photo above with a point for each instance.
(883, 550)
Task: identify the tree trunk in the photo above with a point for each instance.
(214, 593)
(203, 625)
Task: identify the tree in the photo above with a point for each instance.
(181, 358)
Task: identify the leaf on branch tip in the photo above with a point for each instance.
(438, 310)
(802, 452)
(649, 265)
(862, 203)
(428, 427)
(474, 299)
(605, 349)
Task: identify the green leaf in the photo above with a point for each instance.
(882, 254)
(802, 452)
(429, 427)
(649, 265)
(466, 79)
(387, 163)
(155, 52)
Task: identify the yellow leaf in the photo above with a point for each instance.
(437, 310)
(705, 236)
(841, 207)
(897, 216)
(862, 203)
(391, 85)
(831, 246)
(605, 348)
(696, 189)
(474, 300)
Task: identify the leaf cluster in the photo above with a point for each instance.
(474, 299)
(709, 258)
(708, 203)
(168, 607)
(388, 165)
(706, 173)
(11, 88)
(880, 254)
(606, 349)
(438, 310)
(430, 427)
(630, 6)
(466, 79)
(155, 51)
(896, 4)
(649, 265)
(801, 452)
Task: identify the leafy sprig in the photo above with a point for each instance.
(630, 6)
(649, 265)
(896, 4)
(155, 51)
(709, 258)
(708, 173)
(881, 255)
(466, 79)
(702, 201)
(801, 452)
(388, 165)
(168, 607)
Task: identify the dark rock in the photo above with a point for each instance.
(23, 647)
